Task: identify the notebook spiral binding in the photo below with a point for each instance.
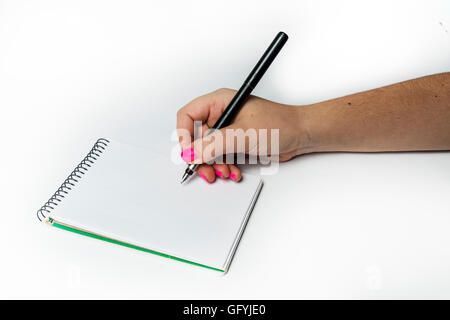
(98, 148)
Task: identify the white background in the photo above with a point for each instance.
(326, 226)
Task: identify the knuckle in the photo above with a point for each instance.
(222, 90)
(179, 112)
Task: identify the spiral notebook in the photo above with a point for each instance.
(133, 197)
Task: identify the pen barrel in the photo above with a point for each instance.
(235, 104)
(252, 80)
(266, 60)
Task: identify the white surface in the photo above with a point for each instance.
(326, 226)
(122, 197)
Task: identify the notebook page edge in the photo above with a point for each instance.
(162, 253)
(241, 230)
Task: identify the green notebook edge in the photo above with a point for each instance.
(124, 244)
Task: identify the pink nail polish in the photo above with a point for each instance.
(204, 178)
(233, 176)
(219, 173)
(188, 155)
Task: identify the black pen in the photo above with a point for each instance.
(246, 89)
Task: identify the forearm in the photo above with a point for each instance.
(407, 116)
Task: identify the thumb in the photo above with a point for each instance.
(211, 147)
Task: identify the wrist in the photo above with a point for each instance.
(311, 133)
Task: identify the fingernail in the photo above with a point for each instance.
(233, 176)
(188, 155)
(204, 178)
(219, 173)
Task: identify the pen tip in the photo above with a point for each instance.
(185, 176)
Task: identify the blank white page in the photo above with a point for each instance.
(133, 195)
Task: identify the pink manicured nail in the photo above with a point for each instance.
(188, 155)
(219, 173)
(204, 178)
(233, 176)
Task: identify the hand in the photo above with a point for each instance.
(256, 114)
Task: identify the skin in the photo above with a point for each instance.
(412, 115)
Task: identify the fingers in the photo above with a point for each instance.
(207, 173)
(204, 150)
(207, 109)
(210, 146)
(235, 173)
(223, 171)
(196, 110)
(215, 146)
